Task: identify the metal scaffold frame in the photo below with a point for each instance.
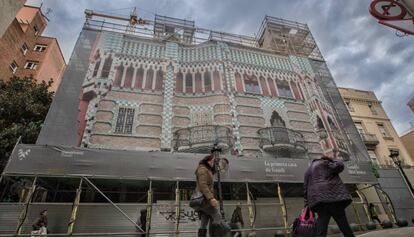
(250, 203)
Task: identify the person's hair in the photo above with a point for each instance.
(205, 161)
(43, 211)
(325, 157)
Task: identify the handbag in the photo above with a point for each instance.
(305, 224)
(197, 200)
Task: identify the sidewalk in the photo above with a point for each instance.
(395, 232)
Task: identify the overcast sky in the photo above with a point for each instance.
(360, 53)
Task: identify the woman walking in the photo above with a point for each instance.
(326, 194)
(209, 212)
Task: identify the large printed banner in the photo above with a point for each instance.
(63, 161)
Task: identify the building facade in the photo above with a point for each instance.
(140, 103)
(374, 126)
(408, 137)
(26, 53)
(260, 98)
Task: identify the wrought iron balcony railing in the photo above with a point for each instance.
(370, 139)
(277, 138)
(201, 139)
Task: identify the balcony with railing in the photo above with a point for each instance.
(201, 139)
(369, 139)
(275, 139)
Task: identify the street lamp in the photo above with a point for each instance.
(219, 164)
(394, 155)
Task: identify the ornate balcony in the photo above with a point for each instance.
(201, 139)
(276, 139)
(369, 139)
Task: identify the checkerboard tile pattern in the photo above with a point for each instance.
(303, 64)
(167, 114)
(201, 108)
(229, 77)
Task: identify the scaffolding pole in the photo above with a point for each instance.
(250, 208)
(364, 201)
(282, 205)
(25, 210)
(149, 209)
(75, 208)
(113, 204)
(358, 217)
(390, 206)
(177, 208)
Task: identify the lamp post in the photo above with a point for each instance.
(394, 155)
(216, 154)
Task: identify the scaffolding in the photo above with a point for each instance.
(287, 37)
(164, 170)
(275, 34)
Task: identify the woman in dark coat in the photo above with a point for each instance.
(209, 213)
(326, 194)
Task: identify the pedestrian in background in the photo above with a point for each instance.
(237, 221)
(40, 225)
(373, 213)
(327, 195)
(142, 221)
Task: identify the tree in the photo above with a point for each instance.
(23, 107)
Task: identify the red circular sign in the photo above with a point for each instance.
(387, 10)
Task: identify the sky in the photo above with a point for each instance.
(360, 53)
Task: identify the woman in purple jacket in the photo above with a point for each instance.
(326, 194)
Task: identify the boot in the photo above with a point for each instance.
(202, 232)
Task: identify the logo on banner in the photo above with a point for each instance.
(23, 153)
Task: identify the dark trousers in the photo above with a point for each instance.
(325, 212)
(376, 218)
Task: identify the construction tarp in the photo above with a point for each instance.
(43, 160)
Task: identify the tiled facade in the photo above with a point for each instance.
(171, 86)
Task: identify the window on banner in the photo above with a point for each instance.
(284, 88)
(189, 83)
(251, 84)
(125, 120)
(207, 81)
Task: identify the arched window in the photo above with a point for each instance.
(118, 75)
(296, 91)
(207, 81)
(95, 70)
(263, 84)
(319, 123)
(106, 67)
(149, 79)
(198, 83)
(272, 86)
(139, 77)
(284, 88)
(239, 83)
(251, 84)
(189, 83)
(159, 80)
(128, 77)
(179, 82)
(217, 82)
(276, 120)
